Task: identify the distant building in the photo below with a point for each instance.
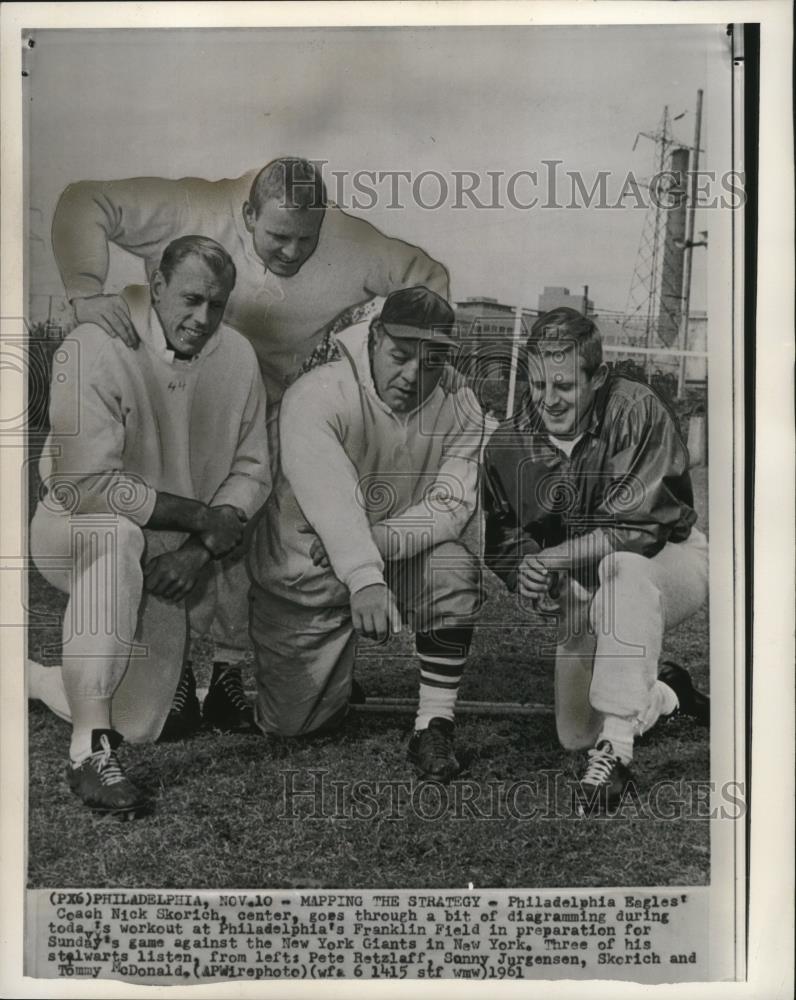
(485, 320)
(555, 296)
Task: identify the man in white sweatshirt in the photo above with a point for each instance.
(155, 461)
(365, 526)
(300, 262)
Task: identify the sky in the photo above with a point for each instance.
(215, 103)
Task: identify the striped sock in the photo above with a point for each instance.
(442, 653)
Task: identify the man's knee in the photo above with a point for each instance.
(626, 587)
(450, 561)
(97, 538)
(129, 550)
(623, 567)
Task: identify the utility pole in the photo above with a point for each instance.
(689, 246)
(585, 300)
(515, 354)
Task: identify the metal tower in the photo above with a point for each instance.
(654, 305)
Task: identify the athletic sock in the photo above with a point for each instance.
(619, 732)
(88, 714)
(669, 701)
(442, 653)
(663, 701)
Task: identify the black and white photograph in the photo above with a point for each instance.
(383, 528)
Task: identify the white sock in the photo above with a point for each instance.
(88, 714)
(669, 700)
(663, 701)
(619, 731)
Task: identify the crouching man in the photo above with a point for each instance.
(156, 460)
(590, 509)
(363, 530)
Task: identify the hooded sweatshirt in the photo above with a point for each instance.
(372, 484)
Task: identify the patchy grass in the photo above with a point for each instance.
(225, 818)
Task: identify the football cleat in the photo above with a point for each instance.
(604, 784)
(226, 707)
(431, 751)
(100, 781)
(692, 702)
(357, 696)
(184, 717)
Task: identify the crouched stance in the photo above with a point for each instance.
(589, 500)
(146, 495)
(363, 530)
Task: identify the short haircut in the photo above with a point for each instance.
(571, 329)
(212, 253)
(291, 180)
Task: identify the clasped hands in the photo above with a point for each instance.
(173, 575)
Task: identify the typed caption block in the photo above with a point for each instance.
(157, 937)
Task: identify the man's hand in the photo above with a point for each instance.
(374, 612)
(111, 313)
(173, 574)
(223, 529)
(318, 554)
(537, 575)
(317, 548)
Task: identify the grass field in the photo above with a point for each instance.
(224, 817)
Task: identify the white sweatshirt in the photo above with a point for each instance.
(369, 482)
(127, 424)
(283, 318)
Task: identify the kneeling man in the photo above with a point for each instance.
(364, 527)
(589, 503)
(155, 461)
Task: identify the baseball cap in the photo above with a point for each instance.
(419, 314)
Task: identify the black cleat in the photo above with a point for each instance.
(357, 696)
(605, 783)
(102, 784)
(185, 717)
(431, 751)
(692, 702)
(226, 707)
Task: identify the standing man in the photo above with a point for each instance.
(300, 262)
(155, 461)
(589, 501)
(364, 528)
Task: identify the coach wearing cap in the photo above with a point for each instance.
(364, 530)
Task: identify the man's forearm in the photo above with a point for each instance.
(579, 552)
(175, 513)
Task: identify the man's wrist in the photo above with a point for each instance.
(201, 517)
(363, 577)
(195, 547)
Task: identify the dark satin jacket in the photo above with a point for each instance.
(627, 478)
